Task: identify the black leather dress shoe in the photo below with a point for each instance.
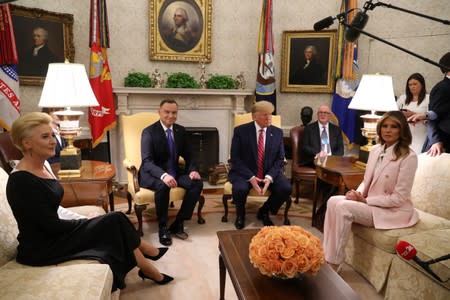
(177, 228)
(240, 222)
(164, 236)
(264, 217)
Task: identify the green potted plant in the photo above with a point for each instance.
(181, 80)
(221, 82)
(138, 79)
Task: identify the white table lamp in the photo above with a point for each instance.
(374, 93)
(67, 85)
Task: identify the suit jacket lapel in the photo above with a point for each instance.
(252, 137)
(388, 156)
(165, 144)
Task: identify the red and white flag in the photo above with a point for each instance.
(103, 117)
(9, 80)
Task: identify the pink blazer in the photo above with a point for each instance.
(388, 189)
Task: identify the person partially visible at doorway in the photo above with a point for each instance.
(306, 115)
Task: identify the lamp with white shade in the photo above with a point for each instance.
(67, 85)
(374, 93)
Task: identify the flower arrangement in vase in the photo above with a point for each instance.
(286, 251)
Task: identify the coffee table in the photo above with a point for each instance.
(249, 283)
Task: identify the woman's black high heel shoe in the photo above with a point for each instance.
(165, 280)
(162, 251)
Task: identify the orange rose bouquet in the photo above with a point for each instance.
(286, 251)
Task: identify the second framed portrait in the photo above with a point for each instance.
(42, 37)
(180, 30)
(308, 61)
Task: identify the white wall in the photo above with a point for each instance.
(234, 41)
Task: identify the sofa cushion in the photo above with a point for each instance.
(431, 188)
(429, 245)
(387, 239)
(8, 225)
(407, 282)
(78, 281)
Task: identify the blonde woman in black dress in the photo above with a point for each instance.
(49, 234)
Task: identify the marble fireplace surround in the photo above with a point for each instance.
(197, 108)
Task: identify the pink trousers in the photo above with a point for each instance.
(340, 215)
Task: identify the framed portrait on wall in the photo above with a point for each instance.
(308, 61)
(42, 37)
(180, 30)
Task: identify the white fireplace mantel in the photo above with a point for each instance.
(197, 108)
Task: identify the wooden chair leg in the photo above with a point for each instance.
(225, 199)
(297, 190)
(138, 209)
(201, 203)
(129, 198)
(286, 211)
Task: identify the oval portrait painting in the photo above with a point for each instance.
(180, 25)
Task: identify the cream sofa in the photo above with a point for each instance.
(371, 252)
(81, 279)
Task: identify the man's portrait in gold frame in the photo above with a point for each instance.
(308, 61)
(180, 30)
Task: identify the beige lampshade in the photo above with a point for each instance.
(67, 85)
(374, 93)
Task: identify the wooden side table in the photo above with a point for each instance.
(340, 171)
(94, 187)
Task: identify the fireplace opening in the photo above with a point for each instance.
(204, 147)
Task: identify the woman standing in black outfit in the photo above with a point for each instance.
(46, 236)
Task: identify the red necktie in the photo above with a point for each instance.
(260, 173)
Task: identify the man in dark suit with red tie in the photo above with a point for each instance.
(257, 159)
(162, 144)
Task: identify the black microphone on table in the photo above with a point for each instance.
(408, 252)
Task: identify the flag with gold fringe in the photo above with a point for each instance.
(9, 79)
(103, 117)
(347, 75)
(265, 79)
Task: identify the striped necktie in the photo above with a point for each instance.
(260, 173)
(171, 164)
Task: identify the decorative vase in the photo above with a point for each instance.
(299, 276)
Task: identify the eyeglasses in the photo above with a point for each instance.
(323, 113)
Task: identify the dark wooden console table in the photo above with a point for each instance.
(339, 171)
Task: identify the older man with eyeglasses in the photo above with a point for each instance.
(321, 138)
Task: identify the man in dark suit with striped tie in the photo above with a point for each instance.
(321, 138)
(257, 160)
(162, 144)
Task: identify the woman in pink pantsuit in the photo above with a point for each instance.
(383, 199)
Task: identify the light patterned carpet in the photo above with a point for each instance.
(214, 208)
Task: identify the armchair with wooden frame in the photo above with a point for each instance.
(227, 190)
(300, 173)
(132, 126)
